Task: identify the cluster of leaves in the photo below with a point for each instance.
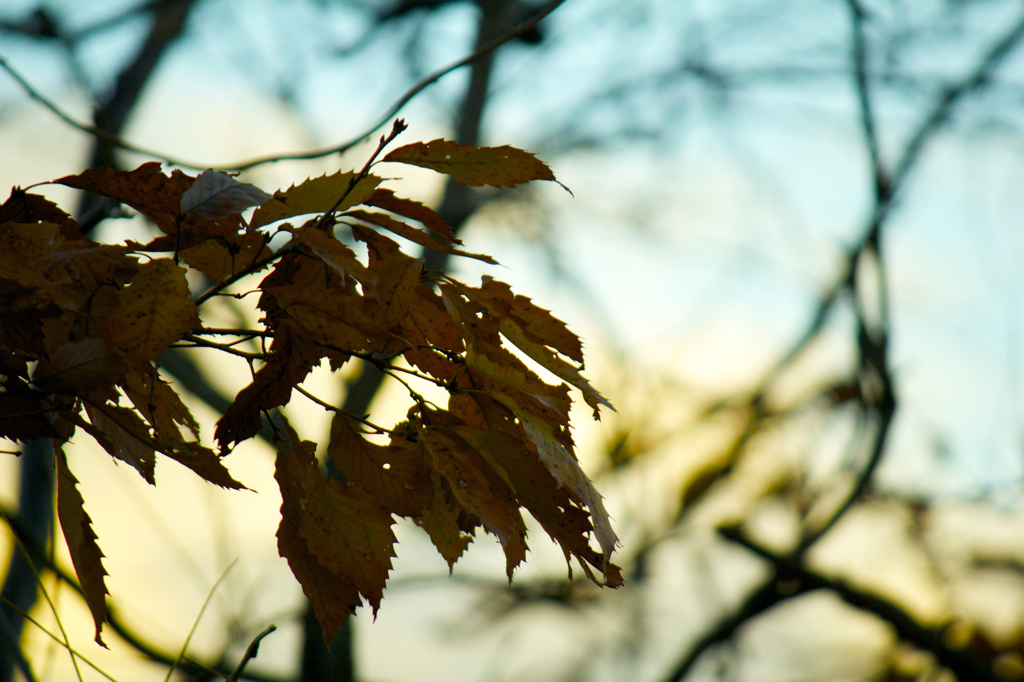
(86, 323)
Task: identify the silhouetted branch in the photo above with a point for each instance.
(800, 580)
(115, 141)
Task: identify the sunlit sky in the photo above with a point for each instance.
(700, 257)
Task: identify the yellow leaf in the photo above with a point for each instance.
(386, 199)
(565, 468)
(151, 313)
(495, 166)
(315, 195)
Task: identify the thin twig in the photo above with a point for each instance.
(250, 652)
(341, 148)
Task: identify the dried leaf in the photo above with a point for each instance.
(315, 195)
(124, 436)
(80, 367)
(146, 189)
(565, 468)
(440, 520)
(333, 253)
(22, 207)
(151, 313)
(85, 552)
(397, 276)
(221, 258)
(386, 199)
(24, 418)
(480, 488)
(414, 235)
(215, 195)
(336, 538)
(495, 166)
(395, 476)
(291, 359)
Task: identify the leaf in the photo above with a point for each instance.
(85, 552)
(216, 195)
(158, 403)
(565, 469)
(22, 207)
(397, 276)
(221, 258)
(333, 253)
(316, 195)
(433, 334)
(538, 324)
(536, 332)
(414, 235)
(124, 436)
(481, 489)
(154, 311)
(338, 541)
(440, 520)
(80, 366)
(537, 490)
(386, 199)
(495, 166)
(146, 189)
(203, 462)
(24, 418)
(395, 476)
(291, 359)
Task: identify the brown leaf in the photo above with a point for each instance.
(555, 506)
(315, 195)
(386, 199)
(221, 258)
(80, 367)
(414, 235)
(291, 358)
(440, 520)
(397, 275)
(168, 411)
(146, 189)
(480, 488)
(336, 538)
(22, 207)
(495, 166)
(151, 313)
(85, 552)
(202, 461)
(395, 476)
(537, 324)
(333, 253)
(536, 332)
(122, 433)
(24, 418)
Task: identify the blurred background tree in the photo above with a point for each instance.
(793, 250)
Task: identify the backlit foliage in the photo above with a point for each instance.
(85, 325)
